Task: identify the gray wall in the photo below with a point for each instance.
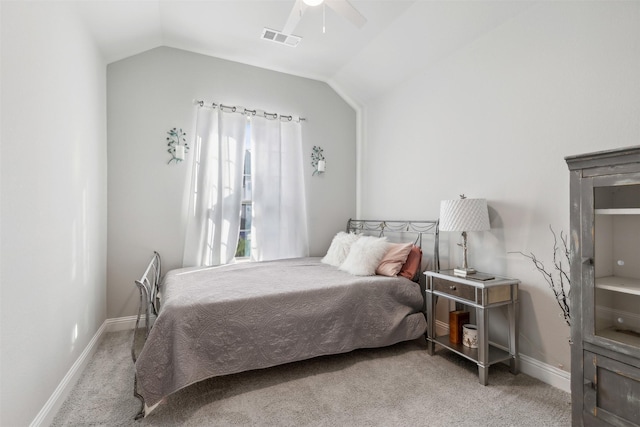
(154, 91)
(494, 120)
(53, 208)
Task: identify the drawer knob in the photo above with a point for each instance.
(452, 287)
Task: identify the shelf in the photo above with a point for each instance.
(619, 284)
(626, 337)
(495, 354)
(618, 211)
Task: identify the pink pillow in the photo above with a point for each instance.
(394, 259)
(412, 265)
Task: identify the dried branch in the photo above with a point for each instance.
(558, 278)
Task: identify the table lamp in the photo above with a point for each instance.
(464, 215)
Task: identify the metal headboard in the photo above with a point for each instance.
(419, 228)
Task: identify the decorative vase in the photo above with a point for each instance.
(470, 335)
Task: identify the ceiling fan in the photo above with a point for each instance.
(341, 7)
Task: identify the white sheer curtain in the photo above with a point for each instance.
(213, 220)
(279, 227)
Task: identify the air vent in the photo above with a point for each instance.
(281, 38)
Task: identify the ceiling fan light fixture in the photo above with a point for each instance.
(313, 2)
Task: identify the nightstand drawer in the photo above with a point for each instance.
(455, 289)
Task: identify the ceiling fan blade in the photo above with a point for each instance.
(294, 17)
(346, 9)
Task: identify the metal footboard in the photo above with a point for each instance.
(148, 286)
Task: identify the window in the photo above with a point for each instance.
(244, 239)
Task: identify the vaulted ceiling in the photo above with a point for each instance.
(400, 39)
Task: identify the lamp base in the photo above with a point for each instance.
(464, 272)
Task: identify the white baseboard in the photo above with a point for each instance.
(50, 409)
(546, 373)
(442, 328)
(120, 324)
(125, 323)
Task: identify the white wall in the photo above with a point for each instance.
(53, 201)
(152, 92)
(494, 120)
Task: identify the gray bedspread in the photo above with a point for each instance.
(222, 320)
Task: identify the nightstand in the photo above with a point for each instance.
(480, 296)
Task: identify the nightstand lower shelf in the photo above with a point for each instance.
(496, 354)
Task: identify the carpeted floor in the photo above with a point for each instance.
(399, 385)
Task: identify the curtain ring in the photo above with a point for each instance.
(234, 109)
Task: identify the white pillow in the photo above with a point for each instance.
(339, 248)
(365, 256)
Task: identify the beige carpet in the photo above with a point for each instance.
(399, 385)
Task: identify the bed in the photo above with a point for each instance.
(214, 321)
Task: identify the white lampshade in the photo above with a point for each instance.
(464, 215)
(312, 2)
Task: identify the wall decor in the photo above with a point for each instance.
(177, 143)
(317, 160)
